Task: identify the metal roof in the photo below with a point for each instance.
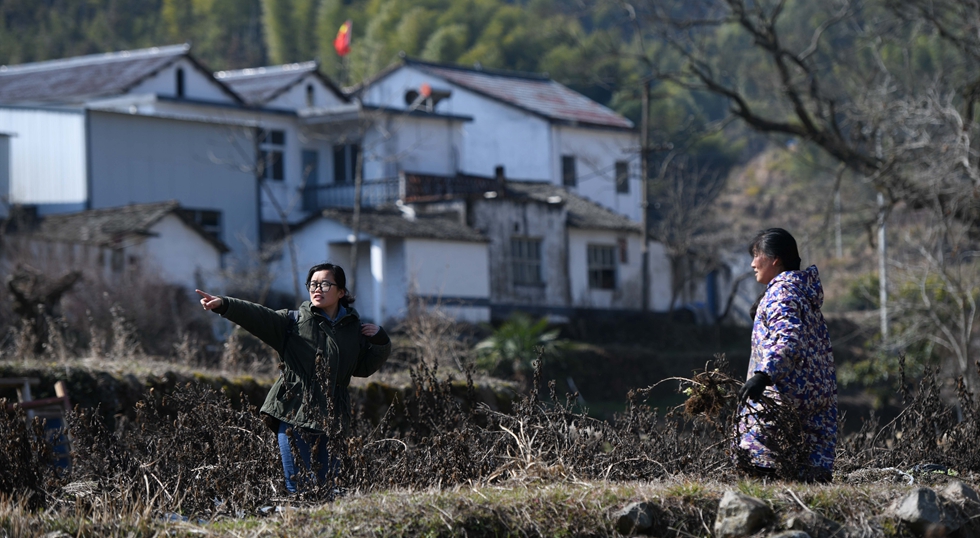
(534, 93)
(74, 80)
(260, 85)
(106, 227)
(393, 223)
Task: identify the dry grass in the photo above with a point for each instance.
(512, 508)
(193, 462)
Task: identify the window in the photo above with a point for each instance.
(525, 260)
(180, 82)
(272, 146)
(602, 267)
(622, 177)
(116, 260)
(209, 220)
(310, 179)
(345, 162)
(568, 170)
(310, 96)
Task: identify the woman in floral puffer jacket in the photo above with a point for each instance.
(792, 360)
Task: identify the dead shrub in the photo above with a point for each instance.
(196, 452)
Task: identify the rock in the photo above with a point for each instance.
(961, 494)
(635, 518)
(926, 513)
(813, 524)
(740, 515)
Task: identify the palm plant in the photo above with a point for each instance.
(516, 344)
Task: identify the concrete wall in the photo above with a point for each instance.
(181, 255)
(498, 135)
(197, 84)
(138, 159)
(501, 219)
(596, 152)
(412, 144)
(660, 277)
(451, 274)
(47, 157)
(4, 175)
(295, 97)
(628, 293)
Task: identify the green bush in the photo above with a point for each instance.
(513, 347)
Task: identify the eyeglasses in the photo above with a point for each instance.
(324, 285)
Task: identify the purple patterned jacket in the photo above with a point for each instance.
(791, 344)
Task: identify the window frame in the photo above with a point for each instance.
(347, 164)
(569, 176)
(525, 256)
(310, 159)
(601, 266)
(622, 177)
(271, 150)
(210, 221)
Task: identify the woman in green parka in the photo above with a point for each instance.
(322, 345)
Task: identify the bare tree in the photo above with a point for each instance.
(685, 221)
(888, 89)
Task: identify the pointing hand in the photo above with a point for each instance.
(208, 301)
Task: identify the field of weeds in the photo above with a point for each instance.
(188, 455)
(196, 462)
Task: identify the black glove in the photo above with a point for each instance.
(753, 387)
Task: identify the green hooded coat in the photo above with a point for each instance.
(310, 348)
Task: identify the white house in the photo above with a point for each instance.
(254, 154)
(401, 257)
(154, 124)
(158, 240)
(536, 128)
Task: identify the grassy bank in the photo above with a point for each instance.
(685, 506)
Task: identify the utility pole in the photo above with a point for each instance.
(838, 241)
(355, 222)
(882, 251)
(882, 269)
(644, 202)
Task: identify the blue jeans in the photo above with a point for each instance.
(297, 476)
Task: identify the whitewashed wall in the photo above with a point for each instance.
(498, 135)
(628, 292)
(137, 159)
(450, 274)
(312, 247)
(4, 175)
(47, 156)
(413, 144)
(181, 255)
(501, 219)
(660, 277)
(295, 97)
(197, 84)
(596, 152)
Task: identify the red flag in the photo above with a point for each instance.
(342, 42)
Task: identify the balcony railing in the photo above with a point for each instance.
(423, 188)
(408, 188)
(373, 193)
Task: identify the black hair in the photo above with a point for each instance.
(777, 243)
(339, 278)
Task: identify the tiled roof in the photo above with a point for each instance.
(72, 80)
(393, 223)
(582, 212)
(535, 93)
(106, 227)
(260, 85)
